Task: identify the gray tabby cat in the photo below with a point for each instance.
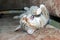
(34, 18)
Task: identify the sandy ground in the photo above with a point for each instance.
(8, 24)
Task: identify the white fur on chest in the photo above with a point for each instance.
(38, 21)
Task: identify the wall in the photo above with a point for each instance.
(52, 5)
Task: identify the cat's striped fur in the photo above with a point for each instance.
(33, 20)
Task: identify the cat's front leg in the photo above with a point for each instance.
(18, 28)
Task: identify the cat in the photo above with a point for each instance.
(33, 19)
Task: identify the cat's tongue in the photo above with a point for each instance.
(32, 17)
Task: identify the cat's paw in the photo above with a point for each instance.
(30, 31)
(19, 27)
(15, 17)
(26, 8)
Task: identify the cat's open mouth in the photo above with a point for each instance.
(32, 17)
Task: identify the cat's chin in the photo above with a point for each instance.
(30, 31)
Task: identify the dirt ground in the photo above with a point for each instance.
(8, 24)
